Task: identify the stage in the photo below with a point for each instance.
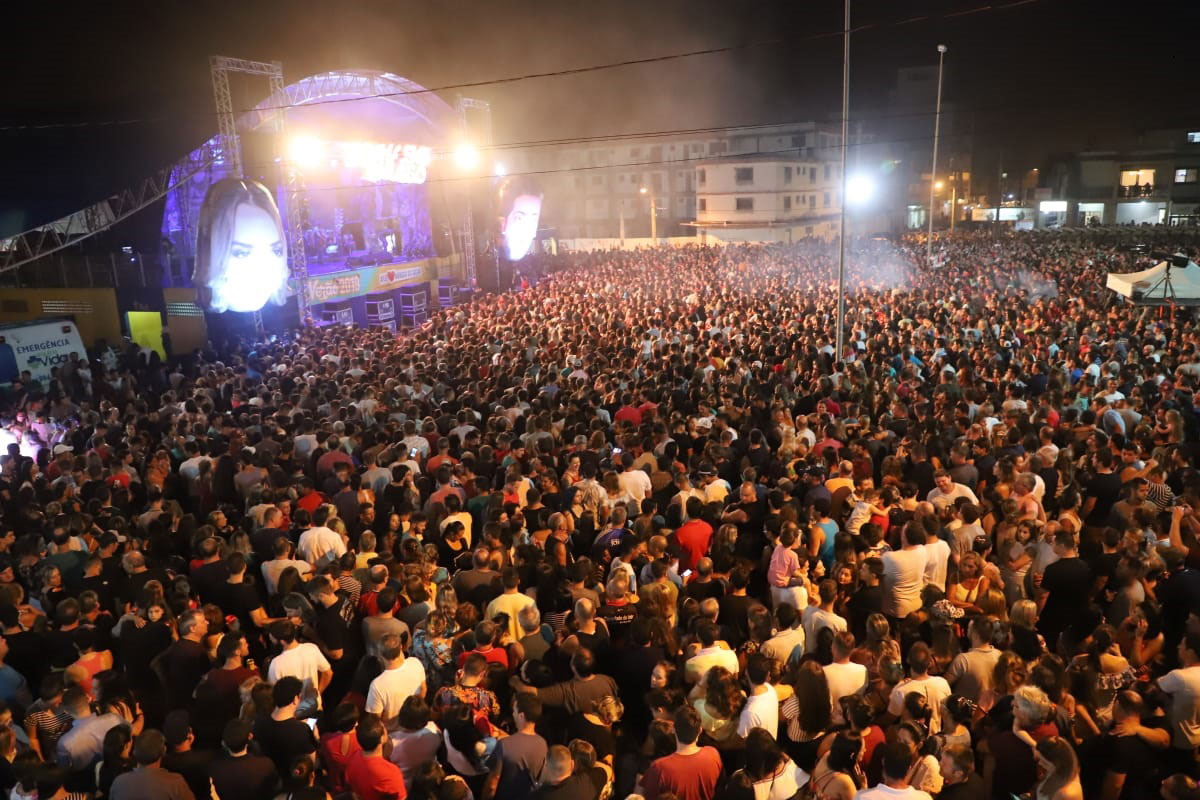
(350, 172)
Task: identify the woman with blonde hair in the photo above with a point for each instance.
(970, 583)
(1026, 641)
(595, 727)
(992, 604)
(719, 701)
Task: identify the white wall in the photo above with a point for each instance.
(1139, 212)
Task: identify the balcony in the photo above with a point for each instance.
(1144, 190)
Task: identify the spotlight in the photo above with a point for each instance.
(859, 190)
(305, 151)
(466, 156)
(500, 170)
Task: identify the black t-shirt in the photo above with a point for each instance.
(135, 584)
(209, 581)
(27, 655)
(239, 599)
(185, 663)
(247, 777)
(600, 737)
(1106, 488)
(283, 740)
(733, 617)
(751, 540)
(576, 787)
(970, 789)
(1069, 583)
(1137, 761)
(333, 632)
(60, 647)
(193, 765)
(102, 585)
(139, 646)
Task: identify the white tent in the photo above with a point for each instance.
(1149, 286)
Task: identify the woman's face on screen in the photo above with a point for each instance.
(255, 266)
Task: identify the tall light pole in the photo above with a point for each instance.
(937, 129)
(841, 278)
(653, 213)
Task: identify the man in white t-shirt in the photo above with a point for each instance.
(319, 545)
(904, 573)
(898, 760)
(302, 660)
(634, 482)
(843, 676)
(711, 654)
(937, 559)
(401, 679)
(933, 688)
(762, 703)
(1183, 687)
(271, 570)
(822, 616)
(947, 491)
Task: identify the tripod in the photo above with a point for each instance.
(1165, 283)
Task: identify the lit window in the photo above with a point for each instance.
(1186, 175)
(1193, 137)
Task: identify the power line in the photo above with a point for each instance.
(593, 167)
(632, 62)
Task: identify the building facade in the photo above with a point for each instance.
(1155, 181)
(594, 189)
(767, 199)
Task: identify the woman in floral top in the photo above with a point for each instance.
(432, 647)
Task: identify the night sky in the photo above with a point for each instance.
(1048, 75)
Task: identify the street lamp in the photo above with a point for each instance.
(653, 213)
(859, 190)
(840, 333)
(937, 129)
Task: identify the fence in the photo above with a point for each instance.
(98, 271)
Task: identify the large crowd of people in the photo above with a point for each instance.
(640, 529)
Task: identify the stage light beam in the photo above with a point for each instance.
(859, 190)
(466, 156)
(305, 151)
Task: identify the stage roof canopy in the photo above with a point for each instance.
(1149, 287)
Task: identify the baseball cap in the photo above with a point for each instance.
(59, 449)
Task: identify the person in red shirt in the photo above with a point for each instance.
(628, 411)
(691, 772)
(486, 633)
(310, 498)
(368, 774)
(340, 746)
(693, 536)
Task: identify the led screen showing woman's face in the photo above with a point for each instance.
(241, 255)
(255, 264)
(521, 225)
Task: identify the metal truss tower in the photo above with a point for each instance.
(276, 112)
(466, 104)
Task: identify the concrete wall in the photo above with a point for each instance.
(93, 310)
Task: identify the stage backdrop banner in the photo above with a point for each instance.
(351, 283)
